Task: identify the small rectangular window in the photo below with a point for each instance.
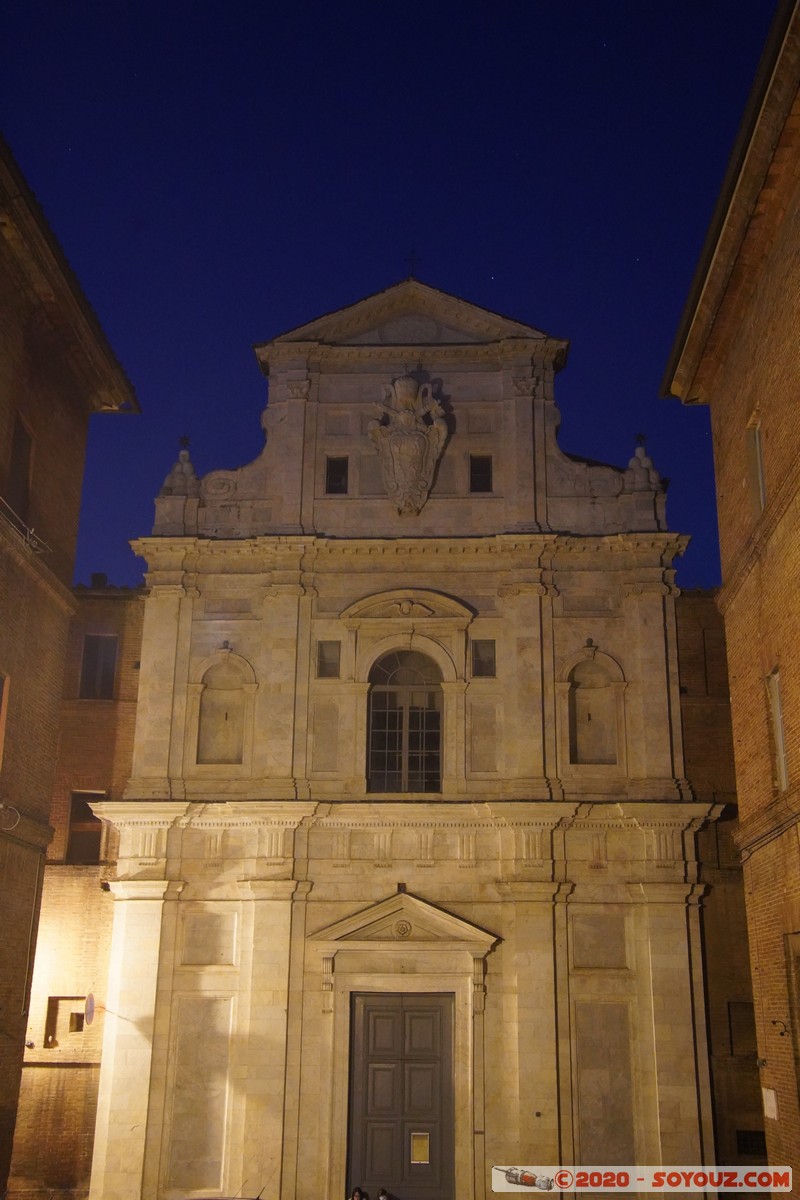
(18, 490)
(751, 1142)
(742, 1026)
(328, 657)
(85, 830)
(483, 659)
(778, 731)
(99, 667)
(336, 471)
(480, 472)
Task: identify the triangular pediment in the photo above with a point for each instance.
(404, 918)
(408, 314)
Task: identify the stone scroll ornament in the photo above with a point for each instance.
(409, 436)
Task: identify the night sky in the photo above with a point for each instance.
(218, 174)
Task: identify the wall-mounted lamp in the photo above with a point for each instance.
(9, 817)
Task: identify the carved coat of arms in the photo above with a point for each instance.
(408, 436)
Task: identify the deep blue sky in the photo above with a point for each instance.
(220, 173)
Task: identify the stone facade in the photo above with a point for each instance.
(408, 744)
(737, 351)
(56, 368)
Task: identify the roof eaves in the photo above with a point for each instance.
(717, 260)
(46, 258)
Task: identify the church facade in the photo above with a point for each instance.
(407, 884)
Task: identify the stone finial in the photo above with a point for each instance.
(182, 479)
(641, 475)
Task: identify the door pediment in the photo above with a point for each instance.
(403, 919)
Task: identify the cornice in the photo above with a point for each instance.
(290, 565)
(752, 203)
(56, 291)
(759, 828)
(320, 356)
(33, 564)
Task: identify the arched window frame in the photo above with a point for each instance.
(412, 619)
(194, 695)
(412, 750)
(618, 684)
(451, 686)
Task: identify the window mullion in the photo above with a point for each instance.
(403, 696)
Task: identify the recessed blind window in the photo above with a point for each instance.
(483, 658)
(18, 491)
(98, 667)
(755, 454)
(336, 471)
(328, 656)
(3, 708)
(480, 472)
(778, 731)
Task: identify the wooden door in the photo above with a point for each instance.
(401, 1133)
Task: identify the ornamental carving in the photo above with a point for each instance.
(409, 436)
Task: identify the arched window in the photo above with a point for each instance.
(592, 715)
(405, 724)
(220, 734)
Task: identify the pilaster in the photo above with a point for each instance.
(123, 1101)
(151, 755)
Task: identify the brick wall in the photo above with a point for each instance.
(57, 1105)
(35, 385)
(760, 370)
(33, 632)
(96, 736)
(708, 749)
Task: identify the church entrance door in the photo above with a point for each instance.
(401, 1129)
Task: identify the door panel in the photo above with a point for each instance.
(382, 1094)
(421, 1088)
(401, 1095)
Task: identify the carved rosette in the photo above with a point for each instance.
(408, 436)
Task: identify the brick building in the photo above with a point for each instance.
(58, 1097)
(738, 351)
(708, 752)
(56, 369)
